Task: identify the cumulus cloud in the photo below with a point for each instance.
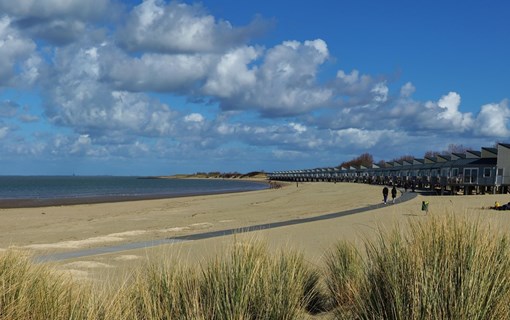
(444, 114)
(194, 117)
(407, 90)
(78, 99)
(156, 72)
(362, 138)
(380, 92)
(50, 8)
(231, 75)
(177, 27)
(57, 21)
(15, 50)
(492, 121)
(284, 83)
(353, 84)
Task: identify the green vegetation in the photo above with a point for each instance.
(438, 269)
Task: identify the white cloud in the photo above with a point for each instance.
(350, 78)
(407, 90)
(79, 99)
(380, 92)
(161, 72)
(14, 50)
(51, 8)
(231, 75)
(493, 119)
(83, 142)
(284, 83)
(360, 138)
(27, 118)
(177, 27)
(55, 20)
(194, 117)
(299, 128)
(445, 114)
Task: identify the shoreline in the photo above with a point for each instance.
(43, 203)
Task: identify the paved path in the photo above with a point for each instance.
(212, 234)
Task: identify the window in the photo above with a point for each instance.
(455, 172)
(500, 171)
(470, 175)
(486, 172)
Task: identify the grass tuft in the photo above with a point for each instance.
(440, 269)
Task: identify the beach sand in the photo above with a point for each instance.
(57, 229)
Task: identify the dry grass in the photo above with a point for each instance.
(248, 284)
(439, 269)
(30, 291)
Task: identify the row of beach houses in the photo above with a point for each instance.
(484, 171)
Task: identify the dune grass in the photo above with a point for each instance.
(31, 291)
(441, 268)
(247, 284)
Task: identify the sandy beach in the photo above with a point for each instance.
(73, 228)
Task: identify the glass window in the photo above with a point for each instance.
(470, 175)
(486, 172)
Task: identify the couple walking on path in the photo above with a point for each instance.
(385, 194)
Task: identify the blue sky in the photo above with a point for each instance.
(161, 87)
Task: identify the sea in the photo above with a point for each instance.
(55, 188)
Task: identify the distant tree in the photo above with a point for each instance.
(457, 148)
(430, 154)
(365, 159)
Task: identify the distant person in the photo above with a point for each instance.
(393, 193)
(385, 194)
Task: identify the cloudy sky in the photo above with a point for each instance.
(161, 87)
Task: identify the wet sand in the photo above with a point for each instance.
(71, 228)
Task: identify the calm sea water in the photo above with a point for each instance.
(65, 187)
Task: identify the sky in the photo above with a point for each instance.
(155, 87)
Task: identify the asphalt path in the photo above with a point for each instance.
(212, 234)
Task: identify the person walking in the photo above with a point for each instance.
(393, 193)
(385, 194)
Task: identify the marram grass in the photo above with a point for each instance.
(30, 291)
(439, 269)
(247, 284)
(435, 269)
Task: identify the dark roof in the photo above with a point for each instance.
(475, 153)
